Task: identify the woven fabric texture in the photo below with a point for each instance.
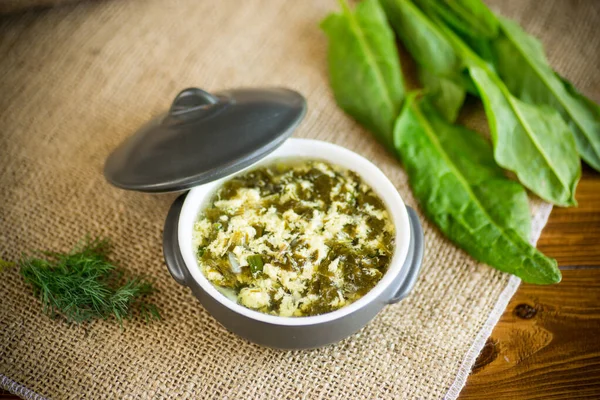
(77, 80)
(14, 6)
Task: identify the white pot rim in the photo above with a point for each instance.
(310, 149)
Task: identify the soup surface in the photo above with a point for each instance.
(294, 239)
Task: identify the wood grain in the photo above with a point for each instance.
(572, 235)
(547, 343)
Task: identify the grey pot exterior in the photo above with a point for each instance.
(286, 336)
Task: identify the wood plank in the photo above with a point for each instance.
(546, 345)
(572, 235)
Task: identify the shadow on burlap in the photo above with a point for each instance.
(79, 79)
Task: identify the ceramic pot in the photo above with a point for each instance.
(298, 332)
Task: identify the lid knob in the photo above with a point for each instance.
(190, 100)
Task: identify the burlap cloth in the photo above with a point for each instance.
(15, 6)
(79, 79)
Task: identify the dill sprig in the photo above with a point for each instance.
(84, 285)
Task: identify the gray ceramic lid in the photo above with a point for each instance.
(204, 137)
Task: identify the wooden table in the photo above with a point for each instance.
(547, 344)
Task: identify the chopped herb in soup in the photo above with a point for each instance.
(295, 239)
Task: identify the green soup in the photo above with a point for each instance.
(295, 239)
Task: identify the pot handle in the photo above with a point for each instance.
(414, 257)
(171, 252)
